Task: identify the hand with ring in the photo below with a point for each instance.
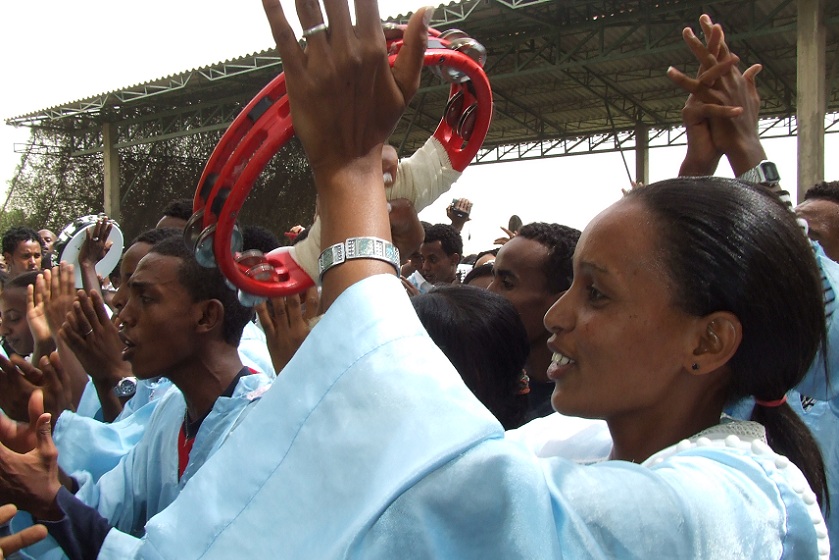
(94, 339)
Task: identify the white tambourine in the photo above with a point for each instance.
(69, 244)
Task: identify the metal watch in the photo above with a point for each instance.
(126, 387)
(764, 173)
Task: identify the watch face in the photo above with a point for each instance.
(770, 172)
(126, 387)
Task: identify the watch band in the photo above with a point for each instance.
(358, 248)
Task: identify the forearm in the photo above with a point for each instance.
(90, 280)
(352, 203)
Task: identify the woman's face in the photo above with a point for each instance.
(619, 343)
(14, 326)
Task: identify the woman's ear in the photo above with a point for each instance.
(718, 337)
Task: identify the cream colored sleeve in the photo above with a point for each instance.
(421, 178)
(425, 176)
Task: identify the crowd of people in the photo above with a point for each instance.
(658, 385)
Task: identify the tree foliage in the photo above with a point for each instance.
(52, 187)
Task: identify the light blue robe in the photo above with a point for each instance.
(370, 446)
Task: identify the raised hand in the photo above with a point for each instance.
(722, 99)
(31, 479)
(286, 324)
(21, 437)
(342, 82)
(94, 339)
(19, 379)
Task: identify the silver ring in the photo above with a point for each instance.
(88, 333)
(315, 29)
(94, 239)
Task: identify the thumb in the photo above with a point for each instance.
(44, 435)
(409, 61)
(36, 406)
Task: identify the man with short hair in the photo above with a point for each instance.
(47, 239)
(532, 271)
(182, 321)
(821, 210)
(176, 214)
(22, 250)
(441, 253)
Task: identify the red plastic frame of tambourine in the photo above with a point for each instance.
(250, 143)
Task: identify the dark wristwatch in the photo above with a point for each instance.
(126, 387)
(764, 173)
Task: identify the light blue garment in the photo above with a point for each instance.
(816, 384)
(148, 390)
(253, 350)
(146, 480)
(89, 405)
(370, 446)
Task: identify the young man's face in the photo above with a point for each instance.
(159, 319)
(437, 266)
(27, 256)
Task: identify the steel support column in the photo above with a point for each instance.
(642, 153)
(811, 98)
(111, 165)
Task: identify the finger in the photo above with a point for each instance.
(68, 279)
(705, 58)
(338, 15)
(82, 325)
(312, 302)
(289, 49)
(715, 72)
(46, 447)
(752, 72)
(7, 511)
(98, 304)
(705, 111)
(367, 18)
(409, 61)
(90, 317)
(265, 318)
(22, 539)
(36, 406)
(293, 309)
(27, 371)
(685, 82)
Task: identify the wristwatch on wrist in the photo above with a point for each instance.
(126, 387)
(765, 173)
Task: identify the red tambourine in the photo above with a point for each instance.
(264, 126)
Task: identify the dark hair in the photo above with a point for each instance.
(826, 190)
(153, 236)
(207, 283)
(561, 242)
(15, 235)
(493, 252)
(736, 247)
(482, 335)
(23, 280)
(179, 208)
(259, 238)
(449, 238)
(478, 272)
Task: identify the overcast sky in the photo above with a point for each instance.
(59, 51)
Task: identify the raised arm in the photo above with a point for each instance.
(347, 162)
